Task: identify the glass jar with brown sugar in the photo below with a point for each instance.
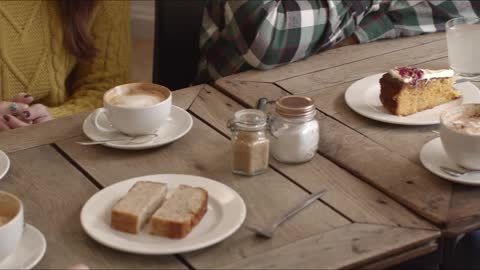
(250, 145)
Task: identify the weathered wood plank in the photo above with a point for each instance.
(41, 134)
(206, 153)
(346, 193)
(403, 257)
(336, 57)
(53, 193)
(356, 70)
(346, 247)
(68, 127)
(405, 181)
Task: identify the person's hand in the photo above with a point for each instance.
(10, 111)
(37, 113)
(348, 41)
(18, 113)
(23, 98)
(9, 121)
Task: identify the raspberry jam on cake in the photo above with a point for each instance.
(407, 90)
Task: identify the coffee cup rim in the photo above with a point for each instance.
(164, 89)
(19, 208)
(442, 121)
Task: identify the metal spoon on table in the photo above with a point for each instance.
(267, 232)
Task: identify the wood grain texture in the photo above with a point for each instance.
(357, 70)
(68, 127)
(403, 257)
(336, 57)
(405, 181)
(346, 247)
(346, 193)
(204, 152)
(41, 134)
(53, 193)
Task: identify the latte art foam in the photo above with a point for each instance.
(469, 124)
(135, 101)
(139, 97)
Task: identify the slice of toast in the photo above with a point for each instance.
(180, 213)
(131, 212)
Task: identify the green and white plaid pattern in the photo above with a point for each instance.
(238, 35)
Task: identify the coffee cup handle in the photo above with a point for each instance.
(96, 114)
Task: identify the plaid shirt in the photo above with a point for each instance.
(238, 35)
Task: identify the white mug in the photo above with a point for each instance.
(461, 148)
(134, 121)
(12, 231)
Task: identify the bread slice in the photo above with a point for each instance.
(180, 213)
(134, 209)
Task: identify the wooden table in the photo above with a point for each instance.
(353, 225)
(384, 156)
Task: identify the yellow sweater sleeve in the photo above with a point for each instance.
(111, 64)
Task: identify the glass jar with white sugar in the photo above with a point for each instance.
(294, 130)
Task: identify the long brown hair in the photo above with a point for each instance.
(76, 15)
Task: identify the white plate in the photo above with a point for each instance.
(179, 123)
(433, 156)
(226, 213)
(29, 251)
(4, 164)
(363, 97)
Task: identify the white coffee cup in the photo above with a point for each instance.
(135, 109)
(11, 229)
(461, 147)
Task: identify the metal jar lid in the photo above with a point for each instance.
(295, 106)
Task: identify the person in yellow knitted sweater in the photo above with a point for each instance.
(57, 58)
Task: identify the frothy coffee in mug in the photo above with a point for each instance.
(465, 121)
(139, 97)
(4, 220)
(8, 209)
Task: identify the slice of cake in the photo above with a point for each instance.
(131, 212)
(407, 90)
(180, 213)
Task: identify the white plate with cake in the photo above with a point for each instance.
(163, 214)
(409, 96)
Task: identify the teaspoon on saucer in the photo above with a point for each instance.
(134, 140)
(457, 173)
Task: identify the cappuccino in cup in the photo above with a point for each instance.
(5, 219)
(460, 135)
(135, 109)
(136, 97)
(11, 223)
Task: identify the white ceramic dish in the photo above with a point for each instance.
(433, 156)
(4, 164)
(363, 97)
(29, 251)
(179, 123)
(226, 213)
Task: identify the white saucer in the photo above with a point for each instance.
(29, 251)
(179, 123)
(433, 156)
(363, 97)
(226, 213)
(4, 164)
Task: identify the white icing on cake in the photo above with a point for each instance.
(428, 74)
